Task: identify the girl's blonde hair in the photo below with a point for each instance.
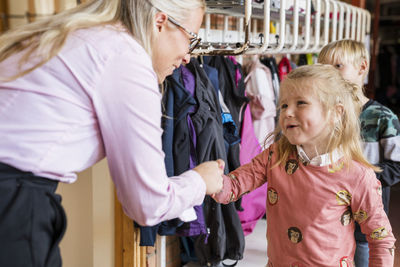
(332, 90)
(346, 51)
(45, 38)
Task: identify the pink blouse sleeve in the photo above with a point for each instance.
(128, 105)
(244, 179)
(368, 211)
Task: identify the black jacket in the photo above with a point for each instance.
(225, 239)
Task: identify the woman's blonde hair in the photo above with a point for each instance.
(332, 90)
(45, 38)
(346, 51)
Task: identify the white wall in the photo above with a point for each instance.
(89, 204)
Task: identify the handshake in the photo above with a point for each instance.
(211, 172)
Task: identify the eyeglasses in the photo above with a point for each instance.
(194, 41)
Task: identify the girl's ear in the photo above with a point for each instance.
(339, 110)
(161, 20)
(363, 67)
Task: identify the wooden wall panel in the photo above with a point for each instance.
(61, 5)
(38, 9)
(16, 12)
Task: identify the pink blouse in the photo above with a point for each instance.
(98, 97)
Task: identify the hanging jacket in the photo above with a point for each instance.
(232, 89)
(262, 97)
(212, 74)
(261, 116)
(284, 68)
(231, 131)
(310, 60)
(302, 60)
(231, 83)
(270, 62)
(184, 139)
(231, 137)
(253, 204)
(225, 239)
(177, 103)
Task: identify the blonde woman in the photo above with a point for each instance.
(318, 172)
(80, 86)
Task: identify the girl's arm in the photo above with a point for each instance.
(244, 179)
(368, 211)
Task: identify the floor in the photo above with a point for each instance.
(255, 254)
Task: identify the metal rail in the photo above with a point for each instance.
(301, 29)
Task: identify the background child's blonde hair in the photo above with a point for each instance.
(332, 90)
(345, 51)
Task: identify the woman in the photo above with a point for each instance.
(80, 86)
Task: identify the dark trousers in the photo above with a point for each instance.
(32, 220)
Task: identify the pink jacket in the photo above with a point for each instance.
(253, 204)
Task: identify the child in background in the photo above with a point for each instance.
(380, 127)
(316, 175)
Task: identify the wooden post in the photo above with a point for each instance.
(118, 233)
(3, 16)
(57, 6)
(358, 3)
(128, 253)
(31, 10)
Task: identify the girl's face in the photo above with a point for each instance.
(302, 119)
(171, 47)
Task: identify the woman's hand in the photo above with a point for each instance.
(211, 172)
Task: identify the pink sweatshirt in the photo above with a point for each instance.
(311, 211)
(98, 97)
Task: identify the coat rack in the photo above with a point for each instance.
(304, 26)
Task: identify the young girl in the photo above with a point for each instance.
(317, 176)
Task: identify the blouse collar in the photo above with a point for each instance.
(319, 160)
